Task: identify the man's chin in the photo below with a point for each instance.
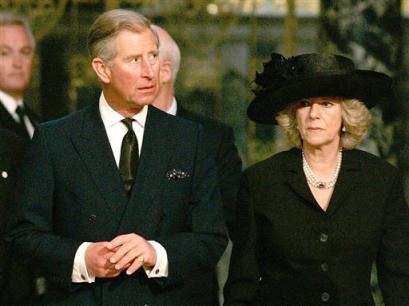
(145, 101)
(15, 91)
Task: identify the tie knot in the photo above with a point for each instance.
(20, 111)
(128, 123)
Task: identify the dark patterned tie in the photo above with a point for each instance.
(128, 162)
(21, 113)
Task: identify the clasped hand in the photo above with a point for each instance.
(125, 252)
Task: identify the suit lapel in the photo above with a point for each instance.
(345, 186)
(346, 182)
(296, 178)
(34, 119)
(182, 112)
(157, 151)
(8, 122)
(93, 146)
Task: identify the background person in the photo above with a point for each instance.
(16, 60)
(218, 141)
(312, 220)
(17, 285)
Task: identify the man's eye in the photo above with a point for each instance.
(153, 58)
(327, 104)
(4, 53)
(26, 52)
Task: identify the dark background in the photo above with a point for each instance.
(223, 43)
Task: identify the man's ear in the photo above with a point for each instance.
(102, 70)
(165, 72)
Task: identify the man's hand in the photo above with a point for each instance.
(131, 252)
(97, 257)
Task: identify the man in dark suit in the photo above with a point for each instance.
(127, 207)
(16, 282)
(16, 59)
(219, 142)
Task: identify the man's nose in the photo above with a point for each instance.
(17, 60)
(147, 69)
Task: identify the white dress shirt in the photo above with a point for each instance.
(11, 104)
(116, 130)
(173, 108)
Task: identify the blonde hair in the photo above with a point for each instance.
(108, 25)
(356, 120)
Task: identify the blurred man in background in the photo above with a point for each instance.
(207, 287)
(16, 60)
(17, 285)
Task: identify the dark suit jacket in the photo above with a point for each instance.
(218, 141)
(16, 281)
(72, 192)
(7, 121)
(288, 251)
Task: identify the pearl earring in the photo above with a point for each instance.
(343, 129)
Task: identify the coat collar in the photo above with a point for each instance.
(181, 111)
(345, 186)
(94, 149)
(8, 122)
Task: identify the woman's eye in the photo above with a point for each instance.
(327, 104)
(304, 103)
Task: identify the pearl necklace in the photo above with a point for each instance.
(314, 181)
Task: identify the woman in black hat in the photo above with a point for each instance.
(312, 220)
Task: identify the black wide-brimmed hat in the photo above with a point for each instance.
(285, 81)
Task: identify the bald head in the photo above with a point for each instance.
(168, 50)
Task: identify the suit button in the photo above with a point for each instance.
(325, 297)
(323, 237)
(92, 218)
(324, 267)
(4, 174)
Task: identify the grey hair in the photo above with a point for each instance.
(9, 18)
(168, 50)
(356, 120)
(107, 26)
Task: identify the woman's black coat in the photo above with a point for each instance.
(288, 251)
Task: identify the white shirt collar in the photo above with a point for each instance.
(116, 130)
(110, 117)
(173, 108)
(9, 102)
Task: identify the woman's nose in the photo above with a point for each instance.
(314, 110)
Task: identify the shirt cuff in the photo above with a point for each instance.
(162, 265)
(79, 271)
